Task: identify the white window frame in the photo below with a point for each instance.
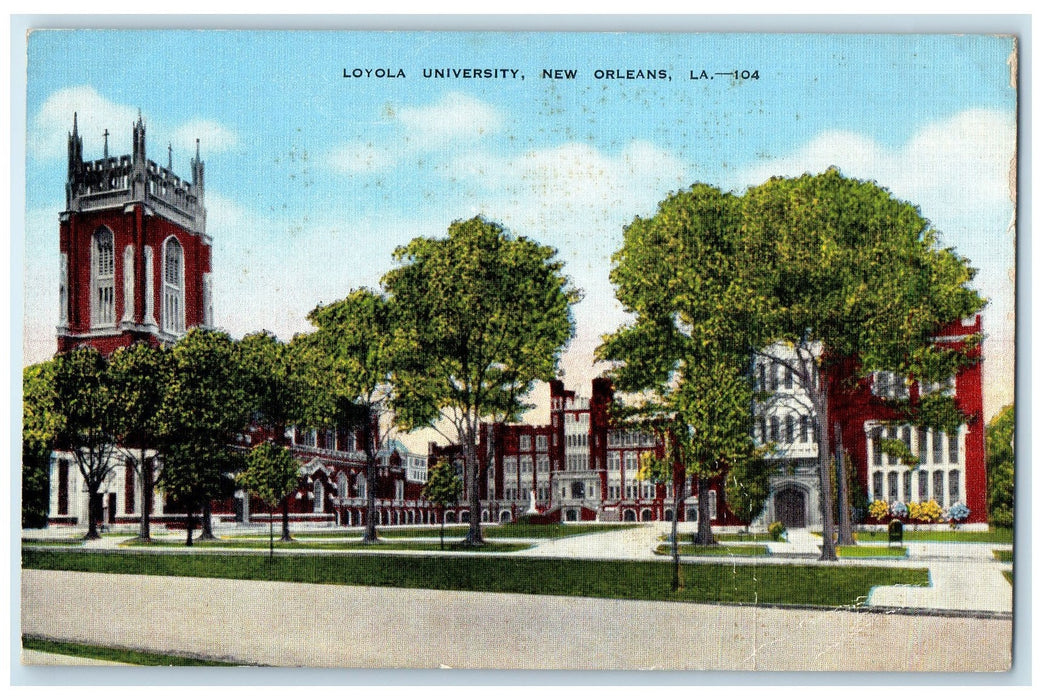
(173, 290)
(103, 279)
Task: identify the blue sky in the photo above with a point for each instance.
(313, 179)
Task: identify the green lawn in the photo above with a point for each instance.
(743, 537)
(55, 542)
(125, 656)
(828, 586)
(751, 550)
(1003, 555)
(857, 552)
(513, 530)
(352, 544)
(997, 535)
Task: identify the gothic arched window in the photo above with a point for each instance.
(103, 273)
(173, 286)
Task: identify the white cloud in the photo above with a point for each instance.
(213, 138)
(454, 116)
(47, 131)
(962, 162)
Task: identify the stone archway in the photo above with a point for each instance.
(790, 507)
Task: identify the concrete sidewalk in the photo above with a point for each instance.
(365, 627)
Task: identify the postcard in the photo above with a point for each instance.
(519, 350)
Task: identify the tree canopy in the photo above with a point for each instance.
(1000, 462)
(480, 316)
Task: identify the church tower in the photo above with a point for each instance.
(135, 255)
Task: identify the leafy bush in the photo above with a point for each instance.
(958, 513)
(878, 510)
(776, 530)
(925, 512)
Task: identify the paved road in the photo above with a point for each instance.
(362, 627)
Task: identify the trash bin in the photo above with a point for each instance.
(896, 531)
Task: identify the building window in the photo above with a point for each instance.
(906, 482)
(774, 429)
(804, 428)
(540, 443)
(953, 449)
(924, 486)
(103, 268)
(173, 287)
(891, 434)
(953, 486)
(787, 377)
(891, 482)
(525, 442)
(938, 446)
(526, 465)
(341, 485)
(877, 485)
(938, 487)
(790, 429)
(63, 487)
(320, 496)
(543, 465)
(922, 445)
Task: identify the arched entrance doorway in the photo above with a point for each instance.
(790, 507)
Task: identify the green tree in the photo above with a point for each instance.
(689, 342)
(272, 475)
(480, 316)
(84, 417)
(138, 376)
(999, 438)
(443, 489)
(41, 423)
(351, 354)
(275, 382)
(835, 268)
(205, 408)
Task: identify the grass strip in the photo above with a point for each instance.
(342, 545)
(124, 656)
(998, 535)
(826, 586)
(856, 552)
(1009, 576)
(751, 550)
(52, 542)
(512, 530)
(1003, 555)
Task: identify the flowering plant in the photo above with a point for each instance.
(957, 513)
(925, 512)
(878, 509)
(898, 509)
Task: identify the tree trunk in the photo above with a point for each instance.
(207, 532)
(285, 520)
(443, 527)
(704, 536)
(369, 535)
(93, 501)
(678, 504)
(188, 527)
(846, 530)
(828, 528)
(145, 534)
(470, 465)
